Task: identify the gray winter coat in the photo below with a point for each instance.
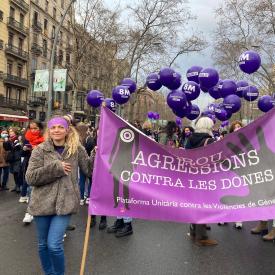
(54, 192)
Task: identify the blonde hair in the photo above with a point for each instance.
(147, 125)
(204, 125)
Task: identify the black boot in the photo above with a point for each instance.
(125, 230)
(116, 226)
(93, 222)
(103, 223)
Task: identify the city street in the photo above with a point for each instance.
(154, 248)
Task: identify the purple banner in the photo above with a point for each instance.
(229, 180)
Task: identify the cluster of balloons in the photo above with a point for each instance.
(120, 95)
(181, 95)
(199, 79)
(153, 115)
(207, 80)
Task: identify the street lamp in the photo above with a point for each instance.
(51, 70)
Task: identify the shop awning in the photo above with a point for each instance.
(7, 117)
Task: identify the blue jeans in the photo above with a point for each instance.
(89, 187)
(51, 230)
(24, 189)
(6, 171)
(82, 181)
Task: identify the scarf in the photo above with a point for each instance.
(34, 138)
(12, 138)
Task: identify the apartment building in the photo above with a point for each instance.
(45, 16)
(27, 32)
(14, 37)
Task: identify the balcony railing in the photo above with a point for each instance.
(18, 26)
(36, 101)
(36, 49)
(80, 108)
(15, 80)
(36, 26)
(17, 52)
(67, 107)
(21, 4)
(13, 103)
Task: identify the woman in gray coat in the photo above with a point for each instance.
(53, 173)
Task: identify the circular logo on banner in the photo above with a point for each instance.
(127, 135)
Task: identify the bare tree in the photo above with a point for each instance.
(155, 36)
(106, 49)
(243, 25)
(96, 36)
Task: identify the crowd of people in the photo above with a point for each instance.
(54, 180)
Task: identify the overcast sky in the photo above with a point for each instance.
(205, 23)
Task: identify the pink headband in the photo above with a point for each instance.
(58, 121)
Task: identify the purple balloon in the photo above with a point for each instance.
(232, 103)
(211, 107)
(192, 73)
(205, 90)
(176, 82)
(187, 108)
(222, 114)
(150, 115)
(228, 87)
(251, 93)
(249, 62)
(241, 86)
(179, 112)
(130, 83)
(178, 121)
(195, 112)
(176, 99)
(215, 91)
(166, 76)
(191, 90)
(95, 98)
(156, 115)
(208, 77)
(121, 94)
(184, 111)
(153, 82)
(265, 103)
(110, 104)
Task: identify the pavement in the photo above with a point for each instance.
(155, 248)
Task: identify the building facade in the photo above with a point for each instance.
(45, 16)
(14, 57)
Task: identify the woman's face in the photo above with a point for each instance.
(237, 127)
(34, 128)
(58, 133)
(4, 134)
(187, 131)
(11, 132)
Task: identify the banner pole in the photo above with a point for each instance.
(85, 247)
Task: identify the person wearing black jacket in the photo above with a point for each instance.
(201, 137)
(185, 135)
(14, 149)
